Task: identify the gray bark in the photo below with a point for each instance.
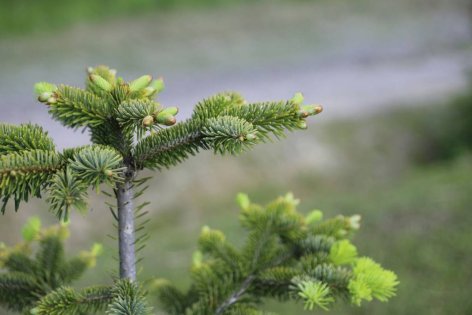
(235, 296)
(126, 235)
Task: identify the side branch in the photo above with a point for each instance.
(169, 146)
(233, 298)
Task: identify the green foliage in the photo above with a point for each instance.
(314, 293)
(284, 257)
(370, 280)
(25, 137)
(25, 173)
(223, 123)
(67, 301)
(229, 134)
(74, 107)
(31, 229)
(25, 279)
(96, 165)
(66, 192)
(128, 299)
(342, 252)
(124, 298)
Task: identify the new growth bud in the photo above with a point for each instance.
(166, 119)
(149, 91)
(171, 110)
(148, 121)
(166, 116)
(109, 173)
(251, 137)
(158, 85)
(354, 222)
(43, 97)
(302, 124)
(140, 83)
(314, 217)
(243, 201)
(297, 99)
(101, 82)
(197, 259)
(51, 100)
(42, 87)
(310, 110)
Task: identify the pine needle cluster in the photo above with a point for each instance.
(286, 256)
(27, 276)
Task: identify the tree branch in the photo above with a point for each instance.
(233, 298)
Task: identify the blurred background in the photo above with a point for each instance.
(393, 143)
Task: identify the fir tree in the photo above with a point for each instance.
(287, 255)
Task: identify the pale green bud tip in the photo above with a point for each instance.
(149, 91)
(51, 100)
(108, 173)
(97, 249)
(148, 121)
(100, 82)
(251, 137)
(206, 229)
(355, 222)
(315, 294)
(290, 198)
(43, 97)
(31, 229)
(140, 83)
(165, 119)
(171, 111)
(158, 85)
(310, 110)
(343, 252)
(302, 124)
(197, 259)
(243, 201)
(314, 216)
(42, 87)
(297, 99)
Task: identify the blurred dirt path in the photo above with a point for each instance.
(355, 60)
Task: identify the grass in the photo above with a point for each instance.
(39, 16)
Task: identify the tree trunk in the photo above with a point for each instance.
(126, 235)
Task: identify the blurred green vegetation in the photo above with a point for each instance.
(439, 132)
(38, 16)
